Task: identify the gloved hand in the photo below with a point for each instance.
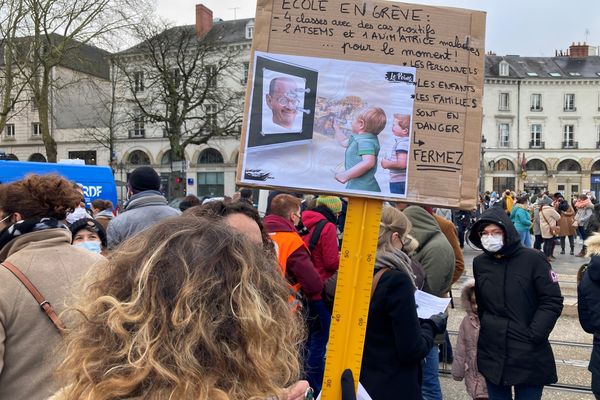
(438, 322)
(348, 385)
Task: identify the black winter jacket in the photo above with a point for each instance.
(396, 342)
(588, 301)
(519, 301)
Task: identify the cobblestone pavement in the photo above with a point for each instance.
(571, 359)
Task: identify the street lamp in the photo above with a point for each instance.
(481, 166)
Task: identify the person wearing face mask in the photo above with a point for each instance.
(518, 303)
(88, 234)
(300, 272)
(34, 238)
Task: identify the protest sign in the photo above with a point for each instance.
(365, 98)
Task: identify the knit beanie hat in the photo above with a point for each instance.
(144, 178)
(332, 202)
(91, 225)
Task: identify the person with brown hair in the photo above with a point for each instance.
(103, 212)
(239, 215)
(187, 309)
(34, 239)
(297, 267)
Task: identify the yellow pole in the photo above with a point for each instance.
(352, 295)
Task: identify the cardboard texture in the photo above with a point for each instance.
(445, 46)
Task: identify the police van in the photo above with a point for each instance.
(96, 181)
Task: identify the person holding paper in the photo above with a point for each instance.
(518, 303)
(396, 340)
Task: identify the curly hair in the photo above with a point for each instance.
(187, 309)
(50, 196)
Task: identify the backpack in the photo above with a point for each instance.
(316, 234)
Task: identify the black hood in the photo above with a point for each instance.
(496, 215)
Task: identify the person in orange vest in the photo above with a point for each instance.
(298, 269)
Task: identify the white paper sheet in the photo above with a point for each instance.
(361, 394)
(428, 304)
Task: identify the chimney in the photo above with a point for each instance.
(204, 19)
(579, 50)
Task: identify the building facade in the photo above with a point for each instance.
(541, 125)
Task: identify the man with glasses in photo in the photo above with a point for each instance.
(283, 101)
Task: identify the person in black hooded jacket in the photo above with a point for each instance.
(588, 307)
(519, 301)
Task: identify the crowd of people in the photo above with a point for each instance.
(214, 301)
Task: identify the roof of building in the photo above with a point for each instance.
(222, 32)
(84, 58)
(544, 67)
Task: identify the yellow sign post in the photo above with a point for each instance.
(352, 295)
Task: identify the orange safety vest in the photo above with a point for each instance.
(285, 244)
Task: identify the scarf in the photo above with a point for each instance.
(583, 203)
(397, 261)
(27, 226)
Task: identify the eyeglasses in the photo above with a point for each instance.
(288, 101)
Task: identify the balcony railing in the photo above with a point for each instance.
(137, 133)
(536, 144)
(536, 109)
(570, 144)
(504, 144)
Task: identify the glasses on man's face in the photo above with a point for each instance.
(288, 101)
(496, 232)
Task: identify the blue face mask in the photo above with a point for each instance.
(92, 246)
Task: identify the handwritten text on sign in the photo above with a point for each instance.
(448, 60)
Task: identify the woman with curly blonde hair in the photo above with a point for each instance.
(188, 309)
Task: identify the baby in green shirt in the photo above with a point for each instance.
(362, 149)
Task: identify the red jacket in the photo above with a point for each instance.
(325, 256)
(300, 268)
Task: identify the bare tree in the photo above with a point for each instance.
(183, 83)
(12, 84)
(55, 32)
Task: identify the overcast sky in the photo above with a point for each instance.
(526, 27)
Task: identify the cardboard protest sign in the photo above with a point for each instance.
(365, 98)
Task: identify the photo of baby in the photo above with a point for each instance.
(362, 149)
(397, 161)
(356, 129)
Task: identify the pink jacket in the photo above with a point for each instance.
(465, 354)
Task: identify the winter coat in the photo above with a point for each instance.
(449, 231)
(520, 218)
(325, 256)
(395, 342)
(566, 222)
(536, 220)
(584, 213)
(464, 365)
(519, 301)
(299, 268)
(28, 339)
(434, 253)
(141, 211)
(551, 220)
(588, 301)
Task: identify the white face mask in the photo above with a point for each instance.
(492, 243)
